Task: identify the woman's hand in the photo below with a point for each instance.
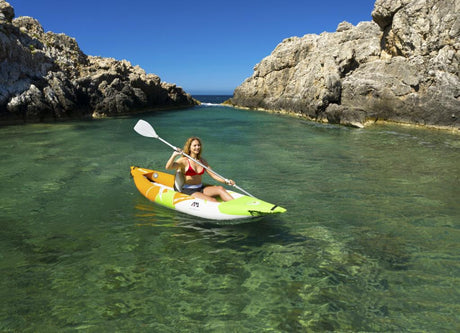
(230, 182)
(177, 152)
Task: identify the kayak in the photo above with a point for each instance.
(161, 188)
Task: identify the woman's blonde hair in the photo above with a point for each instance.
(188, 143)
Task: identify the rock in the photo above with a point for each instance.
(6, 12)
(338, 114)
(46, 76)
(402, 67)
(384, 11)
(344, 26)
(305, 74)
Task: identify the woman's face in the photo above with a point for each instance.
(195, 147)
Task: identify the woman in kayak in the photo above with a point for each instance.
(193, 171)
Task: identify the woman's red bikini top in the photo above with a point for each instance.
(191, 172)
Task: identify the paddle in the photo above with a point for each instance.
(145, 129)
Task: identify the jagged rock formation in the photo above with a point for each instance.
(402, 67)
(46, 76)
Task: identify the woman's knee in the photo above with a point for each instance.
(216, 189)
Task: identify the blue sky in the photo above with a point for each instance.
(206, 47)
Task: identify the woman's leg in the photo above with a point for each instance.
(213, 191)
(200, 195)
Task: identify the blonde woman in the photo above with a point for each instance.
(193, 172)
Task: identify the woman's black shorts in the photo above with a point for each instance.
(190, 191)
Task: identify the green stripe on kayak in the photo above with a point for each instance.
(166, 198)
(248, 206)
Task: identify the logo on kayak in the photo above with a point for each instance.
(254, 203)
(195, 204)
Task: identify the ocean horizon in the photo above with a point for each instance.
(213, 99)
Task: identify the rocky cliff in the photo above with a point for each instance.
(46, 76)
(402, 67)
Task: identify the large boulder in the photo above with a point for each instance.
(45, 76)
(305, 75)
(402, 67)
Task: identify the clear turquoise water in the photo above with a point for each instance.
(370, 241)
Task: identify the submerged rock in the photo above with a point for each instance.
(403, 67)
(44, 76)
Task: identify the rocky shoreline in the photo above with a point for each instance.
(403, 67)
(366, 124)
(45, 76)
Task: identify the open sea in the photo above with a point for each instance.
(370, 241)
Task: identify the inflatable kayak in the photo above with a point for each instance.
(160, 188)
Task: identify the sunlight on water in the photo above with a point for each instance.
(370, 241)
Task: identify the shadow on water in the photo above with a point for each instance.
(255, 232)
(239, 234)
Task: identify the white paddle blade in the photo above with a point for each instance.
(145, 129)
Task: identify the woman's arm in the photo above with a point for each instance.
(172, 163)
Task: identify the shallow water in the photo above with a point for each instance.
(370, 241)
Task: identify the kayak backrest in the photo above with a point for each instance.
(179, 181)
